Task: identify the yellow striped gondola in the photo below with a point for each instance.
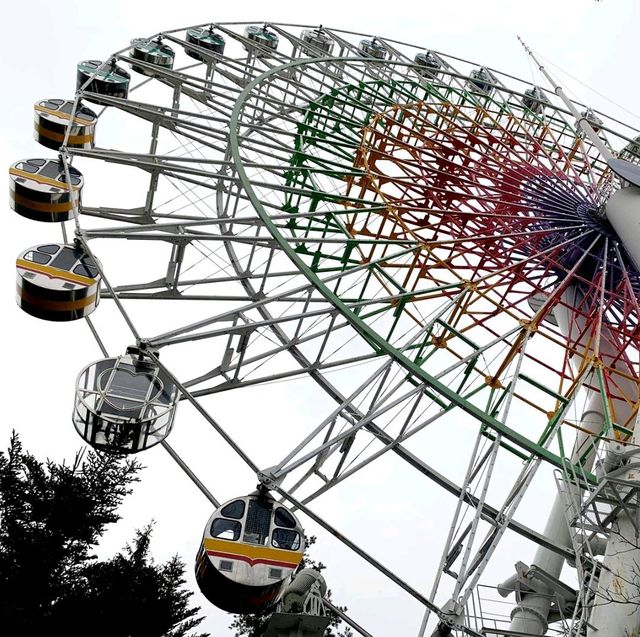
(39, 190)
(249, 551)
(52, 119)
(57, 282)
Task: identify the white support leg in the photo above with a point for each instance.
(616, 607)
(530, 616)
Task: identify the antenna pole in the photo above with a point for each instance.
(581, 121)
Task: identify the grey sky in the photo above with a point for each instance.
(40, 45)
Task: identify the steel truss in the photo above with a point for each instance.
(397, 239)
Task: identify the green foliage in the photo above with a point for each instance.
(51, 517)
(130, 595)
(256, 625)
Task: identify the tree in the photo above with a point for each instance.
(256, 625)
(51, 518)
(130, 595)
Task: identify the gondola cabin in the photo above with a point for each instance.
(39, 190)
(428, 64)
(124, 405)
(266, 40)
(52, 120)
(372, 49)
(318, 40)
(631, 151)
(57, 282)
(153, 52)
(206, 39)
(590, 116)
(106, 78)
(535, 100)
(482, 82)
(250, 548)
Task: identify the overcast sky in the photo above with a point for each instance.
(595, 43)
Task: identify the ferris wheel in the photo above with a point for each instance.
(438, 260)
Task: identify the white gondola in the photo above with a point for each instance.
(428, 64)
(205, 39)
(57, 282)
(125, 404)
(535, 100)
(319, 41)
(154, 52)
(372, 49)
(592, 118)
(266, 40)
(52, 120)
(250, 549)
(105, 79)
(482, 82)
(39, 190)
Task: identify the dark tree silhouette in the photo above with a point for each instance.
(130, 595)
(256, 625)
(51, 518)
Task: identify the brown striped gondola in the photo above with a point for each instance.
(57, 282)
(38, 190)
